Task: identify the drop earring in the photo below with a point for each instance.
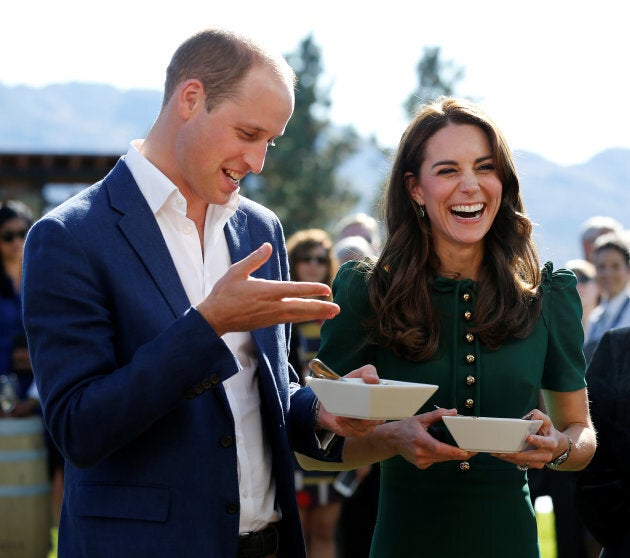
(421, 212)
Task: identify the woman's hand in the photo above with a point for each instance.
(544, 446)
(411, 439)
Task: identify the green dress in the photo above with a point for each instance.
(480, 508)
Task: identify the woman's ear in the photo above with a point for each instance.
(414, 189)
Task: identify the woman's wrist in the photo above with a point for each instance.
(558, 460)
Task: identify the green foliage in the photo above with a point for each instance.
(299, 182)
(435, 78)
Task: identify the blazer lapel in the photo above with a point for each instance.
(139, 226)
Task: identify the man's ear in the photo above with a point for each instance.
(191, 97)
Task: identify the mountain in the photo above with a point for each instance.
(93, 118)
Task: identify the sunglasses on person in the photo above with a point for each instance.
(10, 236)
(321, 260)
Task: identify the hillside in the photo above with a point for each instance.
(91, 118)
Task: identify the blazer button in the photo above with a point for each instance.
(470, 403)
(468, 315)
(190, 394)
(199, 389)
(232, 508)
(470, 380)
(466, 297)
(470, 359)
(215, 379)
(206, 383)
(470, 337)
(226, 441)
(464, 466)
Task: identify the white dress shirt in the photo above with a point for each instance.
(199, 271)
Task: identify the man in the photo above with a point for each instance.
(603, 488)
(161, 364)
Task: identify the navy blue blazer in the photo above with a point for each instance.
(130, 377)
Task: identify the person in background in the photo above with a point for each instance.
(15, 220)
(572, 539)
(359, 224)
(586, 285)
(353, 248)
(358, 508)
(157, 305)
(311, 258)
(611, 257)
(457, 298)
(29, 405)
(593, 228)
(603, 488)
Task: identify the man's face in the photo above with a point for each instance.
(216, 149)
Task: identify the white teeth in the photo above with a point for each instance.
(233, 176)
(467, 208)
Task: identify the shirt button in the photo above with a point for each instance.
(188, 229)
(470, 359)
(470, 380)
(470, 403)
(466, 297)
(468, 315)
(470, 337)
(464, 466)
(226, 441)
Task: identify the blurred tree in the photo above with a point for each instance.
(435, 78)
(299, 182)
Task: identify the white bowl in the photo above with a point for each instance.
(490, 434)
(389, 399)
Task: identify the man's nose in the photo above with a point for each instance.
(255, 158)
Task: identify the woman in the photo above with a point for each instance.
(311, 258)
(15, 220)
(457, 299)
(611, 257)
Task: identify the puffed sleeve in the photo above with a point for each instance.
(344, 339)
(562, 312)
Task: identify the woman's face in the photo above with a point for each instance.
(612, 271)
(312, 265)
(459, 186)
(12, 235)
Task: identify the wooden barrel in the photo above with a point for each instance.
(25, 508)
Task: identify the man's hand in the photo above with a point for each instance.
(239, 302)
(345, 426)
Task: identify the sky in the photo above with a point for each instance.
(553, 74)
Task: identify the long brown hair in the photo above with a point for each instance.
(400, 282)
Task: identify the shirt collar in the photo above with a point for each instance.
(157, 188)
